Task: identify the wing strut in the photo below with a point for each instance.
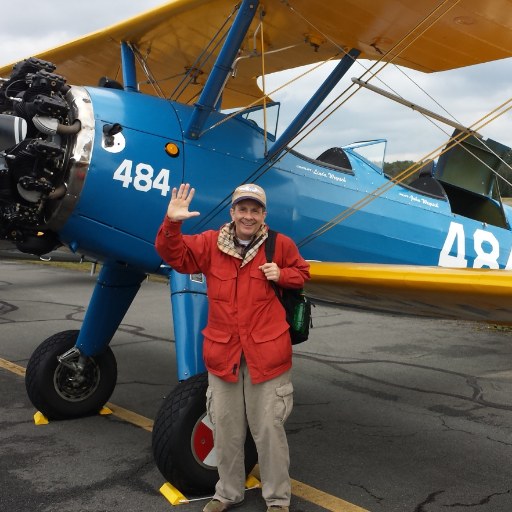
(129, 73)
(309, 109)
(221, 69)
(413, 106)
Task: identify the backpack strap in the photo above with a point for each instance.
(270, 247)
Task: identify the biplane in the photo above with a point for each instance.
(88, 161)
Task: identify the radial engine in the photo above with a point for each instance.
(38, 127)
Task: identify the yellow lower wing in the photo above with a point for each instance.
(481, 295)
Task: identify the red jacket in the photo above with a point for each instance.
(244, 313)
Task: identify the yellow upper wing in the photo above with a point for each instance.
(468, 294)
(473, 31)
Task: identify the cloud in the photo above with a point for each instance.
(25, 46)
(467, 93)
(45, 25)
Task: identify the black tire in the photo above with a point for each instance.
(174, 427)
(47, 382)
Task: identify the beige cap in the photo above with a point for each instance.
(249, 191)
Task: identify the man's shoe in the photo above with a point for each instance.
(278, 508)
(218, 506)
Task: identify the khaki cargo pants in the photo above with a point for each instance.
(231, 406)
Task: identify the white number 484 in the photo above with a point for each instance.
(143, 179)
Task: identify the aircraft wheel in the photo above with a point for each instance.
(183, 439)
(57, 390)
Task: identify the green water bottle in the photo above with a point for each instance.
(299, 314)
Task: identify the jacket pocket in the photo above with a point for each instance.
(215, 349)
(221, 283)
(260, 287)
(273, 345)
(284, 403)
(270, 332)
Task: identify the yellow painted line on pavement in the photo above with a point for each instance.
(299, 489)
(14, 368)
(323, 499)
(131, 417)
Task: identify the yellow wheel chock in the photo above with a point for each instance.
(40, 419)
(175, 497)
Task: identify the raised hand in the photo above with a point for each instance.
(178, 207)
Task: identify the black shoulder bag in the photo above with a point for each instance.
(294, 302)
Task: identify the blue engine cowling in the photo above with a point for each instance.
(61, 184)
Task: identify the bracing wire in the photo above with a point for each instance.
(230, 116)
(196, 73)
(164, 79)
(143, 64)
(403, 175)
(217, 209)
(407, 76)
(367, 70)
(237, 6)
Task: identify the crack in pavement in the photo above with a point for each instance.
(477, 396)
(345, 322)
(349, 386)
(448, 428)
(5, 309)
(431, 498)
(379, 500)
(388, 435)
(297, 404)
(483, 501)
(366, 426)
(127, 328)
(498, 441)
(306, 425)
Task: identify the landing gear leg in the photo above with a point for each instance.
(73, 373)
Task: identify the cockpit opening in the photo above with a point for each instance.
(467, 173)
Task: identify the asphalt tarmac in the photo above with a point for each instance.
(391, 413)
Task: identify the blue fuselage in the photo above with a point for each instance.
(126, 193)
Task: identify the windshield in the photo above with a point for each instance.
(373, 151)
(255, 116)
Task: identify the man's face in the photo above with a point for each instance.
(248, 216)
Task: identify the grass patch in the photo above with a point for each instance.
(501, 328)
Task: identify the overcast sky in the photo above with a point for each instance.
(467, 94)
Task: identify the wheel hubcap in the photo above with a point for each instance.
(203, 448)
(74, 386)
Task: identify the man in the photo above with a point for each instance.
(247, 348)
